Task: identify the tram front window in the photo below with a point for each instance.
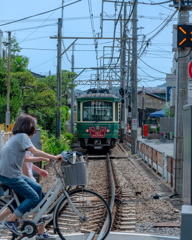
(97, 111)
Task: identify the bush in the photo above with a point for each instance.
(157, 129)
(52, 145)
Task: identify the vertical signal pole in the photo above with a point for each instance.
(123, 74)
(72, 93)
(59, 82)
(7, 120)
(181, 100)
(134, 110)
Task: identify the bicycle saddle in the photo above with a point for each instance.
(4, 187)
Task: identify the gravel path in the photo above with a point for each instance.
(145, 185)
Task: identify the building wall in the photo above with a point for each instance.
(3, 49)
(150, 102)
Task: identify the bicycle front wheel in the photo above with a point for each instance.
(94, 212)
(4, 213)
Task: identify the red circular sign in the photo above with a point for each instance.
(190, 69)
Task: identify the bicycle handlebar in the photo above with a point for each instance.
(67, 155)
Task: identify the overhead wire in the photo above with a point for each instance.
(62, 40)
(122, 4)
(114, 33)
(94, 34)
(152, 3)
(29, 28)
(38, 14)
(37, 27)
(143, 40)
(165, 24)
(152, 67)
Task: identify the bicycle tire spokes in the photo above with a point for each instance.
(93, 209)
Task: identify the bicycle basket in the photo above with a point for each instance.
(75, 174)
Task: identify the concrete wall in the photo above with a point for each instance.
(160, 163)
(4, 137)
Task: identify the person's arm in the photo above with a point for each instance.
(40, 171)
(40, 153)
(28, 158)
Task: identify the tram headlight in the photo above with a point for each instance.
(108, 130)
(87, 130)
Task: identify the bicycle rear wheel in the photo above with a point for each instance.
(94, 210)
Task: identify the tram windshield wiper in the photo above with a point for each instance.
(95, 122)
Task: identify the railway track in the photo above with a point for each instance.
(98, 217)
(122, 197)
(119, 179)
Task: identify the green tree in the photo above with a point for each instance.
(33, 95)
(19, 63)
(67, 84)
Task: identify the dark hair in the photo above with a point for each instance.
(25, 124)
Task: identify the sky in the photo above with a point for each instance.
(81, 18)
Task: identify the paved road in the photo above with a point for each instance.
(130, 236)
(134, 236)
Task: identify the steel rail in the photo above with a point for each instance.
(112, 200)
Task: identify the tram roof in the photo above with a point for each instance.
(98, 96)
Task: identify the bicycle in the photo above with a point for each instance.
(75, 210)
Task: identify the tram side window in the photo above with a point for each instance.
(78, 111)
(116, 111)
(97, 111)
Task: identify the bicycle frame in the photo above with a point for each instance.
(47, 203)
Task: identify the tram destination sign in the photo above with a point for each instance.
(184, 36)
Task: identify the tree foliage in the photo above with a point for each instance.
(33, 95)
(67, 84)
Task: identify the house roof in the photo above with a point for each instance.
(152, 95)
(38, 75)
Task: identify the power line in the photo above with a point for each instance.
(148, 41)
(159, 3)
(38, 14)
(93, 32)
(41, 26)
(38, 27)
(152, 67)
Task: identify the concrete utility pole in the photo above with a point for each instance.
(123, 74)
(128, 82)
(7, 118)
(143, 110)
(72, 93)
(181, 100)
(134, 110)
(59, 80)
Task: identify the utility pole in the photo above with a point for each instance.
(123, 74)
(134, 110)
(181, 100)
(72, 93)
(128, 82)
(7, 118)
(143, 110)
(59, 81)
